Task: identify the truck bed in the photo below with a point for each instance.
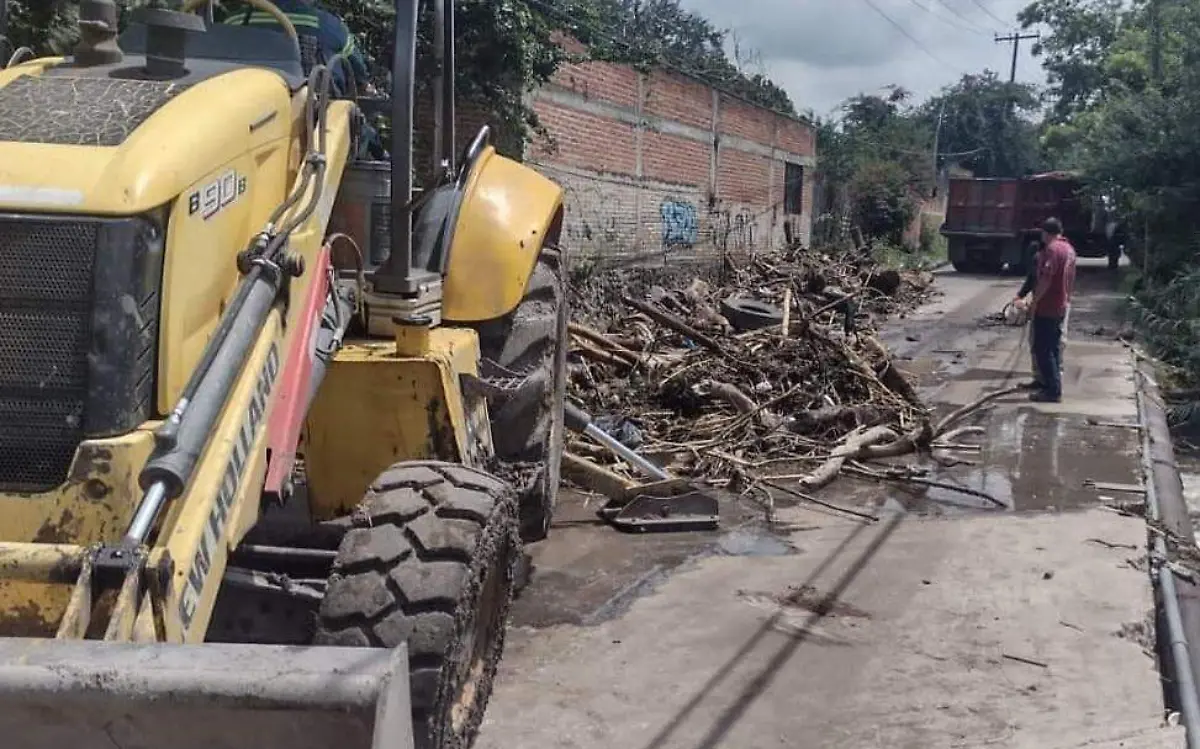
(982, 207)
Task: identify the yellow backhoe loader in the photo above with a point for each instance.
(274, 421)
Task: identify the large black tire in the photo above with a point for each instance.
(956, 252)
(750, 314)
(431, 561)
(527, 431)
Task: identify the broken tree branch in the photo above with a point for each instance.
(603, 342)
(810, 498)
(970, 408)
(904, 478)
(674, 323)
(786, 326)
(600, 355)
(853, 444)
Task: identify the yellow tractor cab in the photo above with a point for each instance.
(274, 423)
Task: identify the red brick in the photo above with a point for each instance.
(610, 209)
(795, 137)
(747, 121)
(678, 98)
(669, 158)
(585, 141)
(744, 178)
(600, 81)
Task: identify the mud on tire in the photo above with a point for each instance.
(430, 561)
(527, 430)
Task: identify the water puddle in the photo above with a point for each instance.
(1029, 461)
(752, 541)
(1189, 474)
(586, 573)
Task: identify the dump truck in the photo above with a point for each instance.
(993, 224)
(275, 420)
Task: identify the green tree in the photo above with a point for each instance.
(45, 26)
(504, 49)
(878, 163)
(1136, 137)
(662, 32)
(1075, 50)
(989, 122)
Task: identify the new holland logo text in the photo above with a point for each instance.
(218, 518)
(217, 195)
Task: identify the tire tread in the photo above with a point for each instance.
(402, 569)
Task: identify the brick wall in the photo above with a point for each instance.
(931, 212)
(658, 163)
(662, 164)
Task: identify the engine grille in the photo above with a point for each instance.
(46, 305)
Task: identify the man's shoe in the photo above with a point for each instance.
(1031, 385)
(1043, 397)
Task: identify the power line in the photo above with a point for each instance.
(948, 20)
(954, 11)
(547, 6)
(906, 33)
(985, 9)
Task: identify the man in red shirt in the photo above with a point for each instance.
(1051, 299)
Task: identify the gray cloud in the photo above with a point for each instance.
(824, 51)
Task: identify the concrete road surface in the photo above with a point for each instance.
(1019, 619)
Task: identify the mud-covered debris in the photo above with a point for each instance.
(713, 397)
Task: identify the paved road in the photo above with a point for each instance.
(949, 622)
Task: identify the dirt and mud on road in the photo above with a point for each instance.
(1017, 613)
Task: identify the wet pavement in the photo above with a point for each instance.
(1009, 614)
(589, 573)
(1189, 473)
(1034, 457)
(1030, 461)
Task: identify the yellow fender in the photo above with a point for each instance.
(508, 214)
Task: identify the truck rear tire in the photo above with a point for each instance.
(431, 561)
(956, 252)
(527, 431)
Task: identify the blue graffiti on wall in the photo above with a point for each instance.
(680, 226)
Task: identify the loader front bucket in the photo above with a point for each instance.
(57, 694)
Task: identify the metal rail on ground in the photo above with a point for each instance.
(1156, 439)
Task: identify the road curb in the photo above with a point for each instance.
(1177, 599)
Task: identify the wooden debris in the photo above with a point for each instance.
(654, 360)
(1022, 659)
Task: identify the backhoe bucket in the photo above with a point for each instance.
(103, 695)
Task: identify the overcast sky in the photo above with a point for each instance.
(824, 51)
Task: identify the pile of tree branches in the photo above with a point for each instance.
(667, 365)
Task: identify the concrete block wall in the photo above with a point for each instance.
(662, 164)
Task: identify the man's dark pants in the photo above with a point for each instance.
(1047, 350)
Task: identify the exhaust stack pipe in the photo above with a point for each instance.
(97, 34)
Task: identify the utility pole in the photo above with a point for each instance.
(1015, 40)
(937, 137)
